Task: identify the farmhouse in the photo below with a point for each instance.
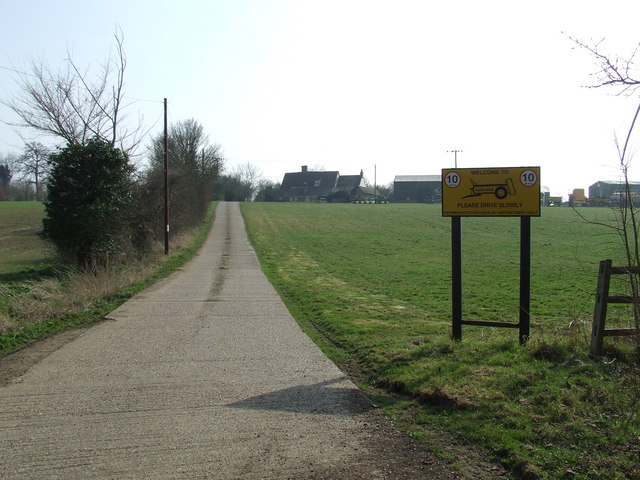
(417, 188)
(310, 186)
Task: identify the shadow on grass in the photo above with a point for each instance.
(34, 273)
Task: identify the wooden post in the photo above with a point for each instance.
(166, 182)
(600, 309)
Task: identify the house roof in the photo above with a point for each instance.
(309, 184)
(306, 179)
(349, 182)
(367, 190)
(613, 182)
(418, 178)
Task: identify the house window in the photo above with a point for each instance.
(316, 183)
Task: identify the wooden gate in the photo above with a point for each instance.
(598, 331)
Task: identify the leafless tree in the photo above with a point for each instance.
(622, 75)
(194, 165)
(613, 70)
(249, 176)
(33, 167)
(6, 174)
(189, 150)
(72, 105)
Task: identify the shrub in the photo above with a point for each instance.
(90, 204)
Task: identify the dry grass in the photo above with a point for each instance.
(72, 291)
(4, 322)
(68, 292)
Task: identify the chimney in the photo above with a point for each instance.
(304, 169)
(361, 173)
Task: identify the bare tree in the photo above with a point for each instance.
(5, 180)
(618, 73)
(613, 70)
(71, 105)
(189, 150)
(33, 166)
(194, 165)
(249, 176)
(8, 168)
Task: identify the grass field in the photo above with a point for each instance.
(20, 246)
(371, 284)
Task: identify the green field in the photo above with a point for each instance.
(371, 284)
(20, 246)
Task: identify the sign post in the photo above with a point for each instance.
(491, 192)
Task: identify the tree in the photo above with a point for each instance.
(240, 185)
(90, 206)
(5, 181)
(385, 192)
(230, 189)
(8, 169)
(618, 73)
(613, 71)
(190, 150)
(194, 166)
(70, 105)
(34, 167)
(249, 177)
(268, 191)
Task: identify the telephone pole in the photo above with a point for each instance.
(375, 184)
(166, 181)
(455, 156)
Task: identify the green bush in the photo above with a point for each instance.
(90, 204)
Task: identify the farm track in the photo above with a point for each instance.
(203, 375)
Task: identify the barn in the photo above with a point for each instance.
(417, 188)
(604, 191)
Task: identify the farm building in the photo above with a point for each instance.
(603, 192)
(545, 196)
(364, 193)
(417, 188)
(310, 186)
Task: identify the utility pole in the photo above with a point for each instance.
(455, 156)
(166, 182)
(375, 184)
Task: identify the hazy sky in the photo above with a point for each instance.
(353, 84)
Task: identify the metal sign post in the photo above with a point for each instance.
(525, 278)
(491, 192)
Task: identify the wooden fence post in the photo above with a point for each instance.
(600, 310)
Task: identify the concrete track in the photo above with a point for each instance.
(203, 375)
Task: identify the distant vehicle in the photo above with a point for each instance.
(577, 198)
(500, 190)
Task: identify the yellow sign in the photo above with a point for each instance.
(491, 192)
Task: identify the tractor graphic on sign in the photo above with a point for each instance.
(500, 190)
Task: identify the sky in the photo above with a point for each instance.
(390, 87)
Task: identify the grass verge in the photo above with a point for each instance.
(36, 302)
